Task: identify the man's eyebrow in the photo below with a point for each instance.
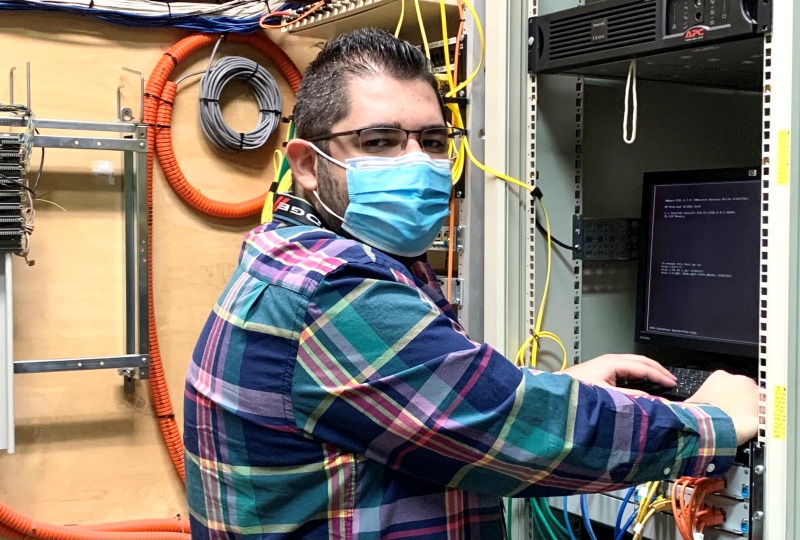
(432, 126)
(398, 126)
(381, 125)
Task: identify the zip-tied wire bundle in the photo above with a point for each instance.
(265, 90)
(241, 16)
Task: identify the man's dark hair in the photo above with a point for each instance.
(323, 97)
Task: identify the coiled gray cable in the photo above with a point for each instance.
(265, 91)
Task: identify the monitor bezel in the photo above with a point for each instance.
(651, 179)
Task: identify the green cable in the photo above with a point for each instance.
(538, 503)
(535, 508)
(537, 527)
(284, 161)
(557, 522)
(508, 518)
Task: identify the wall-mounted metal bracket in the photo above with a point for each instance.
(135, 363)
(458, 285)
(125, 114)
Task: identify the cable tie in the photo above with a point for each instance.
(91, 4)
(208, 100)
(241, 142)
(276, 113)
(159, 98)
(166, 416)
(161, 126)
(537, 193)
(273, 187)
(255, 69)
(171, 55)
(169, 11)
(287, 119)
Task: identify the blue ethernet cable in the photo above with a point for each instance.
(586, 521)
(622, 508)
(566, 520)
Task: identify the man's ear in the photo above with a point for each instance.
(303, 161)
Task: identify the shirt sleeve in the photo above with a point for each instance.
(382, 373)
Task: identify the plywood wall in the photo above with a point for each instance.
(86, 452)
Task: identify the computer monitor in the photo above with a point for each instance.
(699, 260)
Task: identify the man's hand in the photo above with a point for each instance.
(606, 370)
(737, 396)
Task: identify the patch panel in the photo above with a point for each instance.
(12, 178)
(438, 59)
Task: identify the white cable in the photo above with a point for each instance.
(631, 78)
(265, 90)
(156, 8)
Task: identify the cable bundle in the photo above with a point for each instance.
(241, 16)
(693, 516)
(265, 91)
(546, 524)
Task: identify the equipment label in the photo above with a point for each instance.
(784, 157)
(779, 413)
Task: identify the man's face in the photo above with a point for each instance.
(379, 101)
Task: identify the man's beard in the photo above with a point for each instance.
(333, 194)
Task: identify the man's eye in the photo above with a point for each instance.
(434, 145)
(378, 143)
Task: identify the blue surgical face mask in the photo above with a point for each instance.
(398, 204)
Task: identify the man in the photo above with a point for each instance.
(332, 393)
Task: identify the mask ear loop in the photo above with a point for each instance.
(325, 206)
(631, 78)
(337, 162)
(329, 158)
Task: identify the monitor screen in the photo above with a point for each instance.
(699, 260)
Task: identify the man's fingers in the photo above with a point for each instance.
(630, 360)
(650, 362)
(634, 369)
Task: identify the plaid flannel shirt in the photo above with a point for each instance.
(333, 394)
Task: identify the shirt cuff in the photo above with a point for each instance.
(711, 450)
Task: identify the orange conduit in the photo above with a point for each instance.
(159, 97)
(142, 525)
(9, 533)
(15, 525)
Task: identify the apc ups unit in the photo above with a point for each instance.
(616, 30)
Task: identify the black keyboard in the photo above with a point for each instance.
(689, 380)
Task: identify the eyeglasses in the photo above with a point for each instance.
(390, 141)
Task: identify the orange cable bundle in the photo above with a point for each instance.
(311, 10)
(160, 95)
(693, 515)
